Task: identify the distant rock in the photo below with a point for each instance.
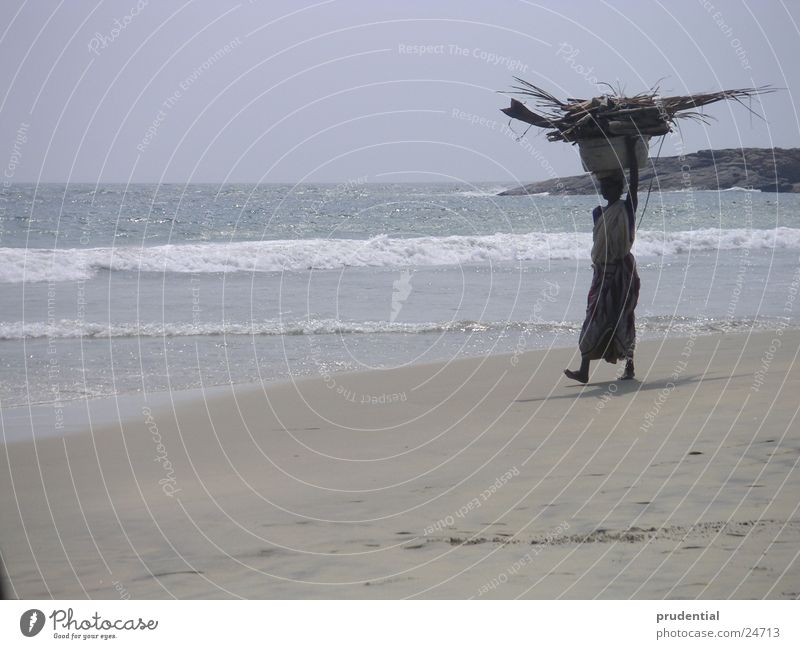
(768, 170)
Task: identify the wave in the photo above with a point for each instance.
(80, 329)
(320, 327)
(43, 265)
(480, 193)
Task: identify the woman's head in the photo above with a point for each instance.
(611, 187)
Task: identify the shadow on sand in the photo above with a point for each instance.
(597, 390)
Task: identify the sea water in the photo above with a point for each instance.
(109, 290)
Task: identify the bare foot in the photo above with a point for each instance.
(577, 376)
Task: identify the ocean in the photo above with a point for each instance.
(111, 290)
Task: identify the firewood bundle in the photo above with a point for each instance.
(614, 115)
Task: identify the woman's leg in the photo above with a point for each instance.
(582, 375)
(589, 331)
(633, 286)
(628, 373)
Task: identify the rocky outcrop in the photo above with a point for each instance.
(768, 170)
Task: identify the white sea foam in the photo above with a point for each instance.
(492, 192)
(320, 327)
(80, 329)
(39, 265)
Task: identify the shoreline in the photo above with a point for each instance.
(83, 413)
(469, 479)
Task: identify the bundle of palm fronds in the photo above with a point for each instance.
(610, 115)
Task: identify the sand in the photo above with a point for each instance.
(479, 478)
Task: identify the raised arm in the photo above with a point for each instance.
(633, 181)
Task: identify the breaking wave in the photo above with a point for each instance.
(40, 265)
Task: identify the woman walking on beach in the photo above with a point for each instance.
(609, 330)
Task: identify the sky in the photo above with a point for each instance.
(348, 91)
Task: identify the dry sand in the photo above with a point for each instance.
(492, 478)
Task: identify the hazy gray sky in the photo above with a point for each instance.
(355, 89)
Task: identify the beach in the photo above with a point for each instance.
(480, 477)
(304, 310)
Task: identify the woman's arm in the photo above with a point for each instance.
(633, 181)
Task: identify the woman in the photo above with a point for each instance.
(609, 330)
